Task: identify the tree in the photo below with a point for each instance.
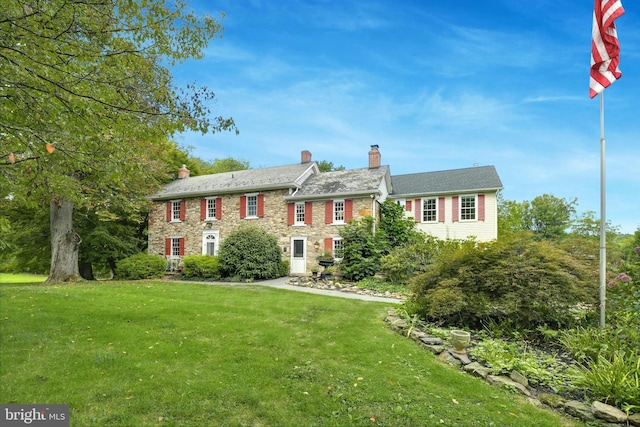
(325, 166)
(548, 216)
(394, 229)
(88, 107)
(227, 165)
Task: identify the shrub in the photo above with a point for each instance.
(284, 268)
(615, 380)
(361, 253)
(528, 282)
(201, 267)
(141, 266)
(250, 253)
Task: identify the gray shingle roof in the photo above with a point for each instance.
(289, 176)
(342, 183)
(482, 178)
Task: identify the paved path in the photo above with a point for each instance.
(281, 283)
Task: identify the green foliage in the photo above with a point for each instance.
(615, 380)
(361, 250)
(249, 253)
(416, 255)
(548, 216)
(326, 166)
(539, 368)
(394, 229)
(530, 283)
(284, 268)
(382, 285)
(224, 165)
(141, 266)
(201, 267)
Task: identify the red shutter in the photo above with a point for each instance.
(291, 212)
(203, 209)
(260, 205)
(454, 209)
(441, 209)
(243, 206)
(418, 210)
(328, 212)
(167, 246)
(348, 210)
(183, 210)
(181, 241)
(480, 207)
(407, 205)
(308, 213)
(219, 208)
(169, 211)
(328, 244)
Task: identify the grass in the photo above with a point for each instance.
(21, 278)
(167, 354)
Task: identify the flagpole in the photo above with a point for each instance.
(603, 220)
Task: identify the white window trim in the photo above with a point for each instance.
(339, 222)
(175, 239)
(475, 207)
(173, 202)
(333, 249)
(216, 236)
(402, 203)
(424, 210)
(206, 207)
(295, 214)
(246, 212)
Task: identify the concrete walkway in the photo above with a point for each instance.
(281, 283)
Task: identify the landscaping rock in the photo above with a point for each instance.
(552, 400)
(431, 340)
(579, 409)
(508, 382)
(608, 413)
(477, 369)
(435, 349)
(417, 335)
(634, 419)
(446, 357)
(519, 378)
(463, 358)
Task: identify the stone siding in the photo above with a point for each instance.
(274, 222)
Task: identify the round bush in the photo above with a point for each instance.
(250, 253)
(201, 267)
(141, 266)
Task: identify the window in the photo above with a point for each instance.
(338, 211)
(430, 210)
(175, 246)
(252, 206)
(338, 248)
(211, 208)
(299, 219)
(402, 203)
(467, 208)
(175, 210)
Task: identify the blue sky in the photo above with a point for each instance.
(437, 85)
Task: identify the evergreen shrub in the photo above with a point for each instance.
(141, 266)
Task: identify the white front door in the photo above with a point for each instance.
(210, 242)
(298, 255)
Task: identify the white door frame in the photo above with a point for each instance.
(208, 236)
(298, 264)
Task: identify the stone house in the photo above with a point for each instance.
(305, 209)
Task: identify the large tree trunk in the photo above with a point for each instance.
(65, 243)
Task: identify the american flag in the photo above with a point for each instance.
(605, 49)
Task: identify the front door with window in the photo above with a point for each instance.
(298, 255)
(210, 242)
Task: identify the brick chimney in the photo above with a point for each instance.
(183, 172)
(306, 156)
(374, 157)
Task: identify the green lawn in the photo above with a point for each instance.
(22, 278)
(166, 354)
